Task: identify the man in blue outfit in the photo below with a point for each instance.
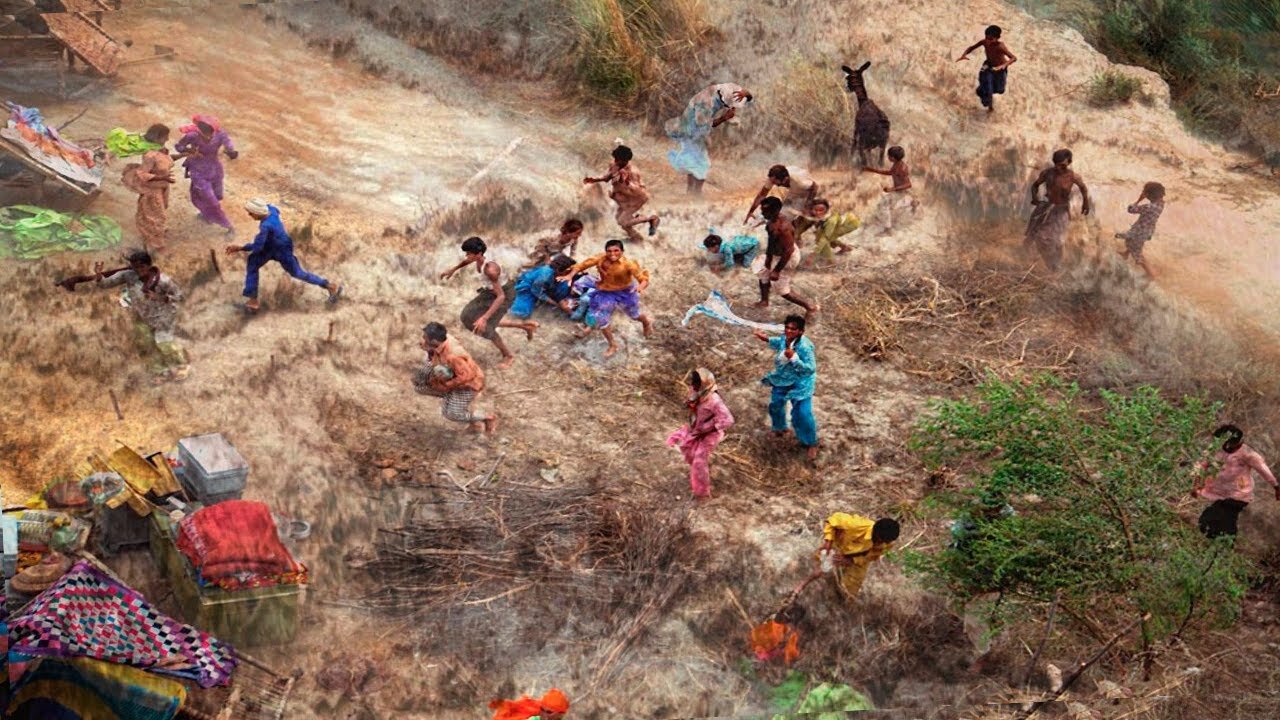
(539, 285)
(273, 243)
(795, 368)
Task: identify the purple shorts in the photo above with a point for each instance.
(604, 302)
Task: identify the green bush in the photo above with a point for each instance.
(1113, 88)
(1074, 495)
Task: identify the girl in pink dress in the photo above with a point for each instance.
(709, 417)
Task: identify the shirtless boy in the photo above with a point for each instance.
(628, 191)
(897, 196)
(1047, 228)
(781, 258)
(995, 69)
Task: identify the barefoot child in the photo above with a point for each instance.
(709, 417)
(781, 258)
(484, 314)
(451, 374)
(620, 285)
(628, 191)
(995, 69)
(898, 195)
(1138, 235)
(566, 242)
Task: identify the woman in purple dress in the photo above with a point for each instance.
(200, 144)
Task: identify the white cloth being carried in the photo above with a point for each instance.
(717, 308)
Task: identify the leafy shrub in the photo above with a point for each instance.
(1067, 495)
(1113, 88)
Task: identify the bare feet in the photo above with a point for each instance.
(251, 306)
(490, 424)
(506, 362)
(653, 225)
(529, 329)
(761, 304)
(812, 453)
(843, 249)
(647, 325)
(335, 291)
(609, 351)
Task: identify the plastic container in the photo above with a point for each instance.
(9, 534)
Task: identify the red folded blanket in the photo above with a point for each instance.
(236, 536)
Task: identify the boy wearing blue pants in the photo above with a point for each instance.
(272, 243)
(795, 370)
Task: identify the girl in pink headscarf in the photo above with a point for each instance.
(200, 144)
(709, 417)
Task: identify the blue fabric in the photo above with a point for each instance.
(739, 248)
(271, 234)
(287, 261)
(690, 136)
(803, 423)
(537, 285)
(991, 83)
(796, 377)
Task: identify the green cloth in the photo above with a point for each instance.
(29, 232)
(123, 143)
(828, 702)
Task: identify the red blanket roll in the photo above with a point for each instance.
(232, 537)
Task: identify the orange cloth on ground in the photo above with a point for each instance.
(522, 709)
(771, 638)
(526, 707)
(555, 701)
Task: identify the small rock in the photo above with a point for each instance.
(549, 474)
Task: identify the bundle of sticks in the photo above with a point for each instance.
(583, 547)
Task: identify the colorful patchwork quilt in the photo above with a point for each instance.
(89, 614)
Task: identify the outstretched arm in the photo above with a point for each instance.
(449, 273)
(756, 202)
(971, 48)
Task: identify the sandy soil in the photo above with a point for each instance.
(314, 395)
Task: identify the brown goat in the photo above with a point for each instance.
(870, 124)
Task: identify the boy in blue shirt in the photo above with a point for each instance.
(539, 285)
(724, 254)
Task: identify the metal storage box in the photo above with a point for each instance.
(212, 469)
(253, 616)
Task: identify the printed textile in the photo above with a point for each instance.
(26, 129)
(235, 537)
(29, 232)
(81, 688)
(717, 308)
(87, 613)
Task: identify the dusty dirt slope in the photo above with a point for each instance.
(313, 395)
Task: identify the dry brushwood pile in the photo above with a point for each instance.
(583, 550)
(944, 328)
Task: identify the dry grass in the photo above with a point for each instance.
(466, 548)
(956, 329)
(812, 109)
